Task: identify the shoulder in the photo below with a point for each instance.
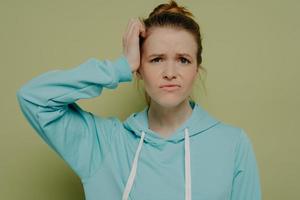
(228, 130)
(239, 136)
(232, 133)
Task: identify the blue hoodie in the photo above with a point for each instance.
(204, 159)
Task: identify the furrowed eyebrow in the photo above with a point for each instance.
(161, 55)
(184, 54)
(156, 55)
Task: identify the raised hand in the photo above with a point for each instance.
(131, 48)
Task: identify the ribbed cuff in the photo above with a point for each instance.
(123, 69)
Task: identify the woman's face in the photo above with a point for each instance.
(168, 57)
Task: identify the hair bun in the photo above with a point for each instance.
(173, 7)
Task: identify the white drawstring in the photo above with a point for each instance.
(133, 169)
(188, 188)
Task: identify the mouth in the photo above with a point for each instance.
(170, 87)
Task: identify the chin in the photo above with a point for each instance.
(168, 102)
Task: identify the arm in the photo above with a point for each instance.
(48, 103)
(246, 183)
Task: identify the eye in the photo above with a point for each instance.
(184, 60)
(155, 60)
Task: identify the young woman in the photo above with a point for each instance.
(173, 149)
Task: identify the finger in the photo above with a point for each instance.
(142, 28)
(138, 28)
(130, 32)
(125, 33)
(135, 29)
(129, 24)
(143, 31)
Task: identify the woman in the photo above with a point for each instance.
(173, 149)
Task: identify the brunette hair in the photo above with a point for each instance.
(174, 16)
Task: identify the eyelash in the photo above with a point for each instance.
(188, 62)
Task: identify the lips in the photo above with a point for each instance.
(169, 85)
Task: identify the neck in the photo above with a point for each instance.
(166, 120)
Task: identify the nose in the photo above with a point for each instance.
(169, 71)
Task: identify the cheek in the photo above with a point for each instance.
(148, 75)
(149, 79)
(190, 79)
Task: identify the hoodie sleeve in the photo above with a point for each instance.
(48, 103)
(246, 182)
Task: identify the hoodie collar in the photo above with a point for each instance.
(199, 121)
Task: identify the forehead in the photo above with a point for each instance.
(169, 40)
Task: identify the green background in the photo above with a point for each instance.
(251, 53)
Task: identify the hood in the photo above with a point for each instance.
(199, 121)
(137, 123)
